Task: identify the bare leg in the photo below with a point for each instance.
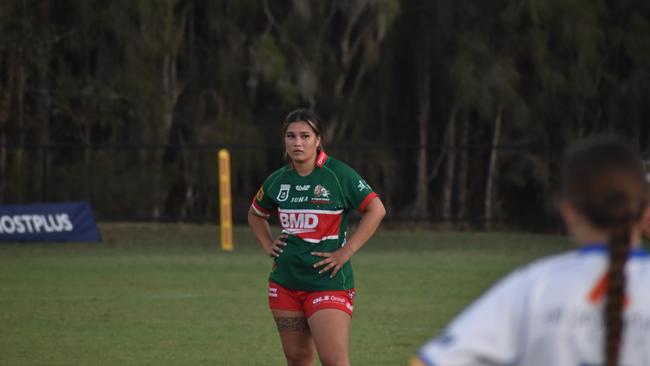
(297, 342)
(331, 331)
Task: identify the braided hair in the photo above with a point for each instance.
(604, 179)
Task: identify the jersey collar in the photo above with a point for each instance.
(636, 252)
(321, 159)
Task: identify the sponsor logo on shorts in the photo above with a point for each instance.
(329, 298)
(351, 294)
(273, 292)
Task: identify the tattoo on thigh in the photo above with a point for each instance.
(292, 324)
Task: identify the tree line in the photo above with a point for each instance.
(453, 109)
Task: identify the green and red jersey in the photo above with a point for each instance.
(313, 211)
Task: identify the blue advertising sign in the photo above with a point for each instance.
(67, 221)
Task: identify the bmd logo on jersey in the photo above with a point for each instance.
(284, 192)
(312, 226)
(303, 221)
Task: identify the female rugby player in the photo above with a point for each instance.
(311, 286)
(588, 307)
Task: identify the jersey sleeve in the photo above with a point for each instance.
(491, 331)
(262, 204)
(357, 193)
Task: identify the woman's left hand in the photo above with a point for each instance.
(333, 260)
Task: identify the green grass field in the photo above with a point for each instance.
(166, 295)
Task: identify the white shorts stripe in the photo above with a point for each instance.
(321, 239)
(298, 231)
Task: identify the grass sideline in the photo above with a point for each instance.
(164, 294)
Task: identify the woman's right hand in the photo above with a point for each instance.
(276, 246)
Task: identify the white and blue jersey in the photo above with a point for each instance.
(549, 313)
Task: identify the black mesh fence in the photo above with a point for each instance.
(180, 182)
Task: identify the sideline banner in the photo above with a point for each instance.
(67, 221)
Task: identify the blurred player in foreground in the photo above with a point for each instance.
(590, 307)
(311, 287)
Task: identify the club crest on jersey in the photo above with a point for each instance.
(284, 192)
(321, 191)
(321, 195)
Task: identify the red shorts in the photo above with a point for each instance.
(309, 302)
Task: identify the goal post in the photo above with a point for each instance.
(225, 201)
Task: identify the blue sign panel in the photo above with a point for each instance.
(68, 221)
